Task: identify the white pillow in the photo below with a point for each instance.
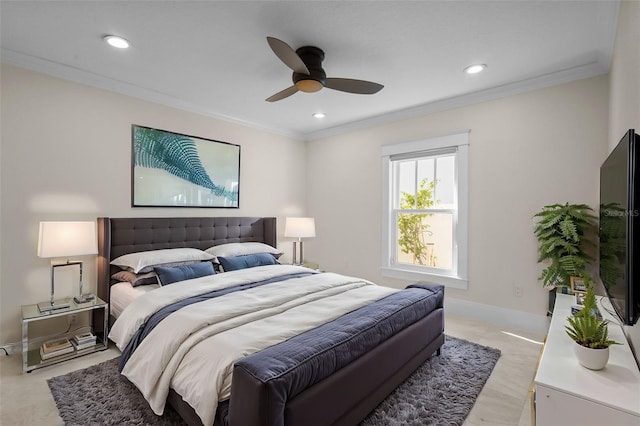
(241, 249)
(145, 260)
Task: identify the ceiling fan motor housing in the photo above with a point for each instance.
(315, 80)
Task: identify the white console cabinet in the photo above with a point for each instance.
(568, 394)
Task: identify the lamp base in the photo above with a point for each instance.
(84, 298)
(295, 253)
(55, 306)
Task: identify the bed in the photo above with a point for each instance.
(339, 383)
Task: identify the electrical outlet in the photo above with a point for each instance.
(517, 291)
(73, 319)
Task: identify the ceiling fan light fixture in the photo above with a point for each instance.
(475, 69)
(116, 41)
(308, 86)
(308, 74)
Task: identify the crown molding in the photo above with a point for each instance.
(592, 69)
(96, 80)
(81, 76)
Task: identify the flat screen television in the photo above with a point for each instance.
(619, 230)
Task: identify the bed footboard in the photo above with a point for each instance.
(339, 372)
(347, 396)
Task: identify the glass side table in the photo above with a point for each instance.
(31, 358)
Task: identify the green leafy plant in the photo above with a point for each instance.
(565, 233)
(411, 226)
(586, 329)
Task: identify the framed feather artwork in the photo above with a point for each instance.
(175, 170)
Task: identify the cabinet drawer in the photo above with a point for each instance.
(554, 408)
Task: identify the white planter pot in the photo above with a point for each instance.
(593, 359)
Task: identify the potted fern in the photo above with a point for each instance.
(590, 333)
(565, 233)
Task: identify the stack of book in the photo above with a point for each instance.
(54, 348)
(84, 340)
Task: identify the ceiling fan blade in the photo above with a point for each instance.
(287, 55)
(282, 94)
(361, 87)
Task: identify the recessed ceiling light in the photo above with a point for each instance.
(319, 115)
(475, 69)
(116, 41)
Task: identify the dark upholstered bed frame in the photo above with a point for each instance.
(120, 236)
(344, 398)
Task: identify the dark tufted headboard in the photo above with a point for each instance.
(119, 236)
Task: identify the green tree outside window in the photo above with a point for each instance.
(412, 227)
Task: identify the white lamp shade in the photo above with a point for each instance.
(62, 239)
(300, 227)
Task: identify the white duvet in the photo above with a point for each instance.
(194, 349)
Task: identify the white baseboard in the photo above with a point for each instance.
(496, 315)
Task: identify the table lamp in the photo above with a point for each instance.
(299, 227)
(66, 239)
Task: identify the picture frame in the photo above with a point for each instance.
(171, 169)
(577, 285)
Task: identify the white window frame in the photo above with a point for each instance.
(458, 278)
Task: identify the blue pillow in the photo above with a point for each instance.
(247, 261)
(170, 275)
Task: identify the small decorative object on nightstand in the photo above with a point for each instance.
(54, 348)
(84, 340)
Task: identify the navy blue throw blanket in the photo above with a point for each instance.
(162, 313)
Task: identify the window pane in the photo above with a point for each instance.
(408, 197)
(406, 181)
(445, 193)
(426, 169)
(426, 240)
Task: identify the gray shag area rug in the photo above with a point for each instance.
(441, 391)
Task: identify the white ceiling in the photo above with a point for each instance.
(212, 57)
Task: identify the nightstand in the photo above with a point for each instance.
(312, 265)
(31, 359)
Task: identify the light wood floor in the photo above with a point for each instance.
(25, 399)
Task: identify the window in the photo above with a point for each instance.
(425, 210)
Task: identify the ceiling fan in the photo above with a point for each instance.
(308, 75)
